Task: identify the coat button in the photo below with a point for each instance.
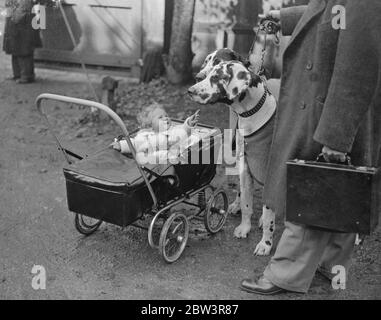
(303, 105)
(309, 65)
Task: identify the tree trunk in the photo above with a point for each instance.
(168, 19)
(179, 61)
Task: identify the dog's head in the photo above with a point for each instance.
(215, 58)
(226, 82)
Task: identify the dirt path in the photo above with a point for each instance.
(37, 229)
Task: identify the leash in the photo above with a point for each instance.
(83, 65)
(267, 26)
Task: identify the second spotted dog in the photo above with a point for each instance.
(231, 82)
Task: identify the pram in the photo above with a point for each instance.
(110, 187)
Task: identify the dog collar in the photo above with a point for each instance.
(258, 107)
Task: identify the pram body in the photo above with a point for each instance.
(109, 187)
(114, 188)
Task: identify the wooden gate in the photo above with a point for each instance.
(107, 33)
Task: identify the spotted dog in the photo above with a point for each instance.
(215, 58)
(246, 94)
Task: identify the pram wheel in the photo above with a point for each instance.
(216, 212)
(85, 225)
(174, 237)
(155, 228)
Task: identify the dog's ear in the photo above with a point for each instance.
(247, 63)
(239, 82)
(240, 58)
(208, 58)
(255, 79)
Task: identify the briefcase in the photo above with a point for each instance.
(333, 197)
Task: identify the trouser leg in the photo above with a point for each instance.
(297, 257)
(27, 67)
(16, 67)
(300, 252)
(338, 253)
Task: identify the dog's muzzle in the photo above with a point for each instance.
(192, 91)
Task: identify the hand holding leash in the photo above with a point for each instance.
(271, 15)
(269, 23)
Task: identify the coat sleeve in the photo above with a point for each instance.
(289, 18)
(356, 76)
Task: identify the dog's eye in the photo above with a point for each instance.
(216, 62)
(214, 79)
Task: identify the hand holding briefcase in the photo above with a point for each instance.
(333, 197)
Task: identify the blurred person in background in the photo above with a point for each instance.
(21, 39)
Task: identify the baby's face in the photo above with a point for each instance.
(160, 120)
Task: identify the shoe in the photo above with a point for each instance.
(261, 286)
(24, 81)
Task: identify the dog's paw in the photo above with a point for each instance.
(263, 248)
(242, 231)
(234, 209)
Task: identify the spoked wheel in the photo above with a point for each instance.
(174, 237)
(155, 228)
(86, 225)
(203, 195)
(216, 212)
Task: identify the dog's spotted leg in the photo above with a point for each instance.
(247, 202)
(268, 223)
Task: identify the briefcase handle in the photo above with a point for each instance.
(348, 160)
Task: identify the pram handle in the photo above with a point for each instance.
(102, 107)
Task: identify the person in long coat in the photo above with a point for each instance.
(330, 102)
(20, 39)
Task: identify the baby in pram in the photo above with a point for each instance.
(158, 141)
